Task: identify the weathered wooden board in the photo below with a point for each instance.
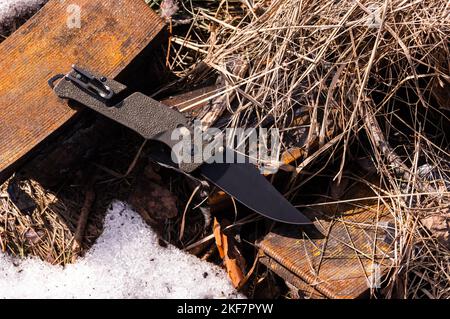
(112, 34)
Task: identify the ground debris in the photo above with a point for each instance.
(439, 226)
(232, 258)
(153, 201)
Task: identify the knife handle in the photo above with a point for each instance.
(144, 115)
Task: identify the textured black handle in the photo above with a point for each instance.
(144, 115)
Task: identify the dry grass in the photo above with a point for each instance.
(369, 75)
(40, 234)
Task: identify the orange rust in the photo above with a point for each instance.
(216, 198)
(112, 33)
(291, 155)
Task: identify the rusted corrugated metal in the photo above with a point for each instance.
(349, 257)
(112, 34)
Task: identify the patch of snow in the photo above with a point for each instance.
(10, 9)
(125, 262)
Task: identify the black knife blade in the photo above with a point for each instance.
(155, 121)
(247, 185)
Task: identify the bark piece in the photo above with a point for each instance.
(228, 251)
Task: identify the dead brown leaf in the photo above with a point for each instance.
(33, 236)
(228, 251)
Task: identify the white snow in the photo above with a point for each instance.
(14, 8)
(125, 262)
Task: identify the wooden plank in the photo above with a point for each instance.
(112, 34)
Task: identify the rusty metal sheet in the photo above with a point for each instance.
(112, 34)
(350, 256)
(304, 291)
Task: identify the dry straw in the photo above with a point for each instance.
(367, 73)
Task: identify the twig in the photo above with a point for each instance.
(83, 218)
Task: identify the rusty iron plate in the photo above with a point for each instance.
(112, 34)
(303, 290)
(350, 257)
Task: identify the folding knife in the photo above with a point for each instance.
(155, 121)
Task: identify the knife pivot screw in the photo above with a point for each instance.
(103, 79)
